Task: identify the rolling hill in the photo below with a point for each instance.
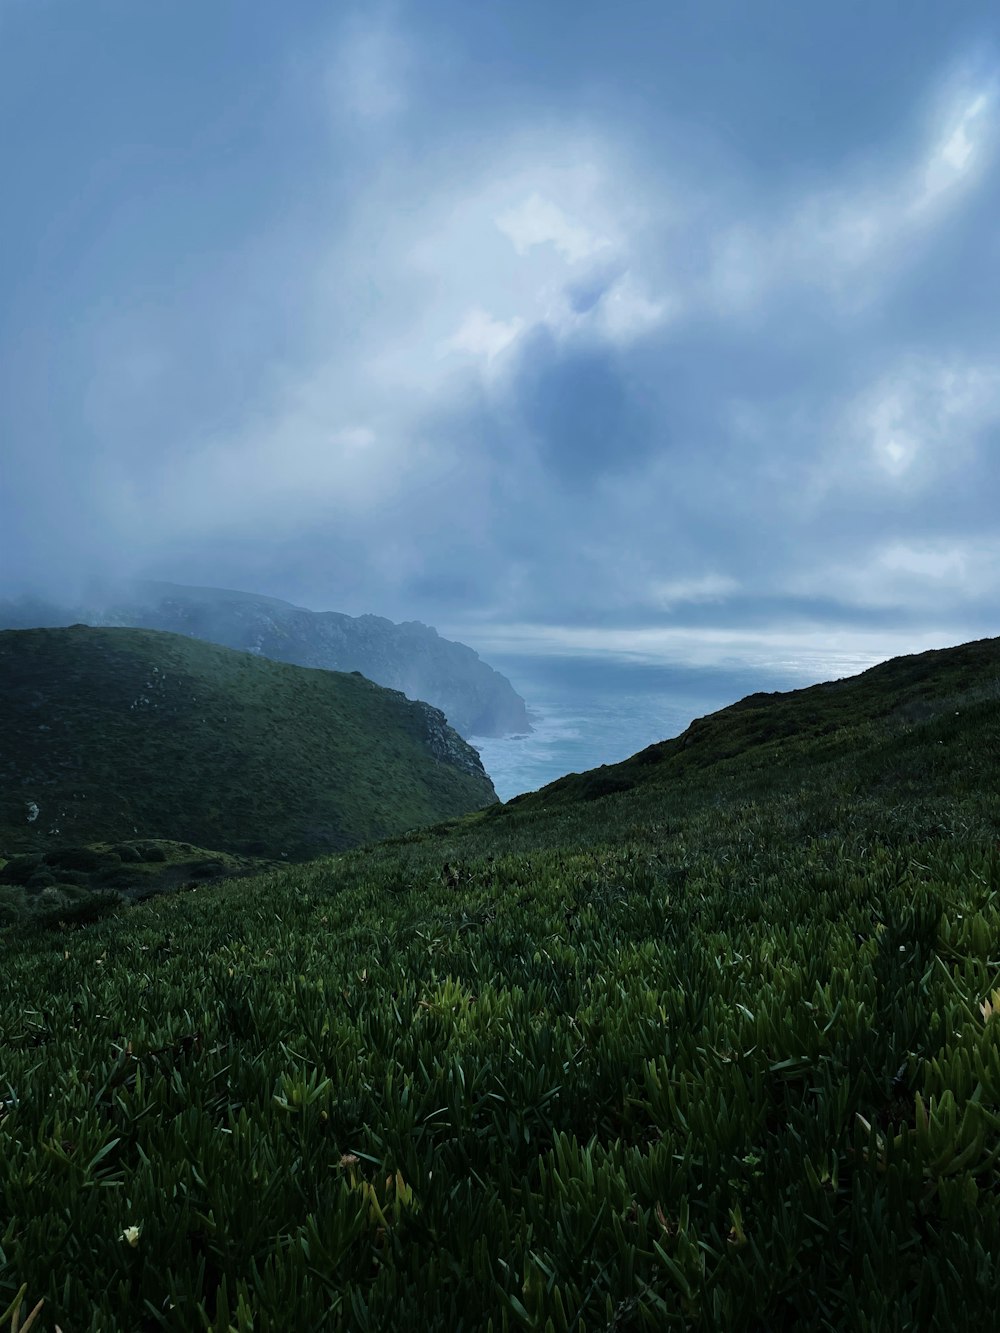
(411, 657)
(708, 1040)
(108, 734)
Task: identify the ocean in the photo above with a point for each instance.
(587, 711)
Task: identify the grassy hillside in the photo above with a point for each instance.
(411, 657)
(717, 1048)
(115, 733)
(886, 725)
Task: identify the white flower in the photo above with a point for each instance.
(131, 1234)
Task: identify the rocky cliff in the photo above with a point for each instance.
(411, 657)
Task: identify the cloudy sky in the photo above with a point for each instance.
(551, 324)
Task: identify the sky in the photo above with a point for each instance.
(649, 328)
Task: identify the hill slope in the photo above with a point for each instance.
(717, 1049)
(411, 657)
(109, 732)
(890, 706)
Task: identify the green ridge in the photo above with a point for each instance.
(111, 734)
(703, 1041)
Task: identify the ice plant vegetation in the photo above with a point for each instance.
(695, 1042)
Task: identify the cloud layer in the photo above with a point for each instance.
(395, 320)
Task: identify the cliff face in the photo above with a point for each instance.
(411, 657)
(447, 746)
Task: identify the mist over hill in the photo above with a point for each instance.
(411, 657)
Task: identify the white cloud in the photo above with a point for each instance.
(493, 253)
(948, 566)
(923, 424)
(925, 417)
(813, 651)
(536, 220)
(917, 575)
(625, 312)
(854, 235)
(480, 335)
(669, 593)
(964, 136)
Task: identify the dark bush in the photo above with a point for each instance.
(76, 877)
(80, 913)
(19, 869)
(11, 906)
(153, 853)
(74, 858)
(206, 869)
(41, 879)
(653, 754)
(599, 785)
(127, 852)
(116, 875)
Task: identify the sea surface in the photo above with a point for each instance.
(588, 711)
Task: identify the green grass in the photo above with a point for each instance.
(701, 1041)
(118, 733)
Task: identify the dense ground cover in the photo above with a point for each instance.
(704, 1041)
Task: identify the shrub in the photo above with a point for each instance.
(604, 785)
(116, 875)
(75, 877)
(12, 905)
(19, 869)
(52, 896)
(74, 858)
(206, 869)
(60, 909)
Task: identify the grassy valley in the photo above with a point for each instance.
(705, 1040)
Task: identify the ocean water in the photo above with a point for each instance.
(587, 711)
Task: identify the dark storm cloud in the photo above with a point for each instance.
(583, 407)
